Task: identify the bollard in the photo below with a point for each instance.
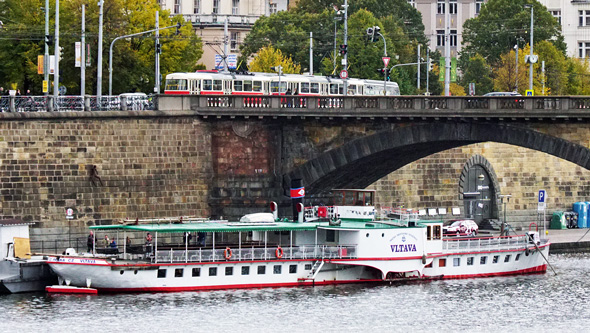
(86, 106)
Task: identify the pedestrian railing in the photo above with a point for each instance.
(76, 103)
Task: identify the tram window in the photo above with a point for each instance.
(245, 270)
(229, 271)
(247, 85)
(261, 270)
(315, 88)
(257, 86)
(179, 272)
(274, 87)
(352, 89)
(238, 85)
(161, 273)
(470, 261)
(341, 89)
(212, 271)
(217, 85)
(196, 271)
(207, 84)
(292, 269)
(483, 260)
(442, 262)
(304, 88)
(175, 84)
(333, 89)
(277, 269)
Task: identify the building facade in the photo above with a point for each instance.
(208, 20)
(575, 25)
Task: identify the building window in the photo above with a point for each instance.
(557, 15)
(507, 258)
(196, 6)
(478, 4)
(177, 6)
(442, 262)
(440, 6)
(495, 260)
(277, 269)
(453, 37)
(261, 270)
(235, 7)
(212, 271)
(483, 260)
(584, 17)
(456, 262)
(215, 6)
(234, 41)
(273, 8)
(245, 270)
(196, 272)
(292, 269)
(452, 6)
(412, 3)
(179, 272)
(229, 271)
(470, 261)
(440, 38)
(161, 273)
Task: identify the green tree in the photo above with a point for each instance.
(477, 71)
(555, 68)
(578, 72)
(133, 59)
(501, 23)
(268, 57)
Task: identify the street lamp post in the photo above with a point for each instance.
(516, 75)
(531, 54)
(502, 197)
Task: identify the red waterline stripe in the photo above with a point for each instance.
(532, 270)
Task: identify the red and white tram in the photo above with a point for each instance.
(218, 83)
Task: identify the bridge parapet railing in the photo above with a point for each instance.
(366, 102)
(436, 103)
(401, 103)
(579, 103)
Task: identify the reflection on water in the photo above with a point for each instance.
(533, 303)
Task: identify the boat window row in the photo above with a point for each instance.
(228, 271)
(482, 260)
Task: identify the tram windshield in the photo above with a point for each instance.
(176, 84)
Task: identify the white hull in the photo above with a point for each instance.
(125, 276)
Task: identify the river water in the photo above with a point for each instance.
(531, 303)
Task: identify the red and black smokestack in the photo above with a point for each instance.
(297, 195)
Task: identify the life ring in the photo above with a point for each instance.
(227, 253)
(279, 252)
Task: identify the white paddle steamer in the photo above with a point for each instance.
(344, 243)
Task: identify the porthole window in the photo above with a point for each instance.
(383, 235)
(367, 234)
(135, 272)
(121, 272)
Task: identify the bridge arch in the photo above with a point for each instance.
(363, 161)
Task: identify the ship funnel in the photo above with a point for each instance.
(297, 195)
(300, 211)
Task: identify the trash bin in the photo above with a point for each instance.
(558, 220)
(571, 219)
(582, 209)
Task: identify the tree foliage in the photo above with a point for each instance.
(502, 23)
(133, 58)
(477, 71)
(268, 57)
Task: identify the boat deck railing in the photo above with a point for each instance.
(486, 243)
(256, 253)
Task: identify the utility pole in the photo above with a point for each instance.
(56, 51)
(46, 63)
(427, 71)
(158, 49)
(447, 49)
(418, 61)
(516, 48)
(225, 43)
(531, 54)
(83, 56)
(310, 53)
(345, 59)
(99, 58)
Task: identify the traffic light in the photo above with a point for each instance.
(178, 28)
(158, 48)
(343, 49)
(61, 52)
(430, 65)
(370, 33)
(381, 71)
(49, 39)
